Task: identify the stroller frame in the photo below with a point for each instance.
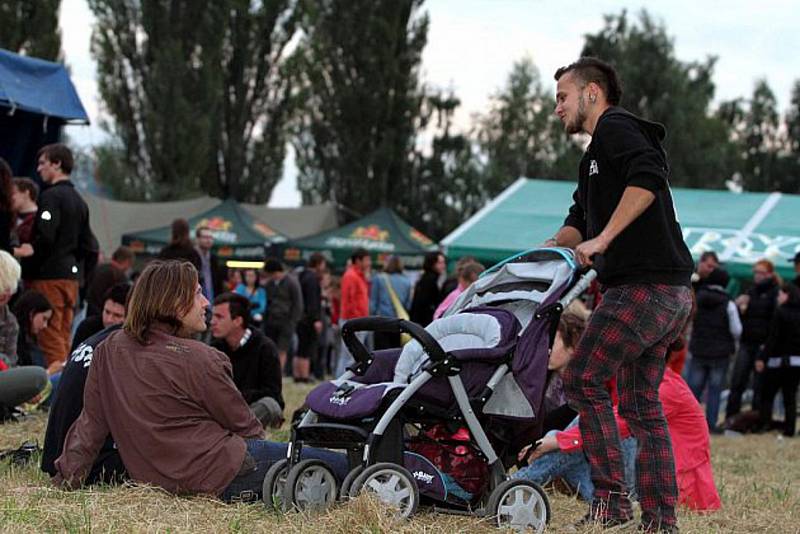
(355, 439)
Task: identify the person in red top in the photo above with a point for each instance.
(562, 451)
(354, 299)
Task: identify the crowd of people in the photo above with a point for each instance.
(188, 357)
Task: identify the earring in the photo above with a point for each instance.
(592, 98)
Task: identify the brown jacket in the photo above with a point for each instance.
(172, 407)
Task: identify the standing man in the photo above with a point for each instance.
(24, 194)
(309, 327)
(354, 300)
(256, 367)
(757, 307)
(708, 262)
(63, 245)
(796, 262)
(212, 274)
(285, 307)
(623, 223)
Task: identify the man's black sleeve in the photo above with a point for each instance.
(638, 159)
(576, 218)
(270, 383)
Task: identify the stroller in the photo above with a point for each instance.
(438, 421)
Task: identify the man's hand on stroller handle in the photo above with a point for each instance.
(585, 251)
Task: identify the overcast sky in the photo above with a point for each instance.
(473, 43)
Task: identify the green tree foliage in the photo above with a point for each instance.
(30, 27)
(447, 184)
(196, 96)
(358, 68)
(659, 87)
(520, 135)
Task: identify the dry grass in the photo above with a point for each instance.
(757, 476)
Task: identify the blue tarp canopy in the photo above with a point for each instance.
(36, 99)
(40, 87)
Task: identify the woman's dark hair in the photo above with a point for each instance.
(6, 181)
(430, 260)
(180, 233)
(29, 304)
(393, 265)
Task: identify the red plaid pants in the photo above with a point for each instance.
(628, 336)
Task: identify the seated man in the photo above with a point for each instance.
(170, 402)
(560, 454)
(254, 357)
(67, 405)
(113, 312)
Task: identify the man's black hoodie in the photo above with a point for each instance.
(626, 151)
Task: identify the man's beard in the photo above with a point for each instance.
(576, 126)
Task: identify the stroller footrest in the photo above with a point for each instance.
(331, 433)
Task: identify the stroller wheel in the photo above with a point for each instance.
(392, 484)
(347, 483)
(274, 480)
(520, 505)
(310, 486)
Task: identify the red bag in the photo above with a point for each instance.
(452, 453)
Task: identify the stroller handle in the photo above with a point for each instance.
(392, 325)
(580, 286)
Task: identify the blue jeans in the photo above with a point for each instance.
(708, 373)
(246, 487)
(573, 467)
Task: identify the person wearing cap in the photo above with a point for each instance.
(716, 328)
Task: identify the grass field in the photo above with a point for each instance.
(758, 479)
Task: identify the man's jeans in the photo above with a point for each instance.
(246, 487)
(708, 372)
(573, 467)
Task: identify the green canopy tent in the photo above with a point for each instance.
(382, 233)
(741, 227)
(237, 234)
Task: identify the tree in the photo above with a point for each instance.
(447, 183)
(761, 140)
(520, 135)
(358, 83)
(793, 121)
(659, 87)
(196, 95)
(31, 28)
(250, 135)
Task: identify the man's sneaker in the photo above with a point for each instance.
(663, 529)
(609, 524)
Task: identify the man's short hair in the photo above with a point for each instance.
(122, 254)
(238, 306)
(316, 259)
(162, 294)
(118, 294)
(591, 69)
(201, 229)
(709, 254)
(26, 185)
(273, 265)
(358, 254)
(58, 153)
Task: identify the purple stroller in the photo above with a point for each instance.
(439, 420)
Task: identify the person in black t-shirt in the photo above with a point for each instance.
(67, 406)
(254, 358)
(623, 223)
(113, 312)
